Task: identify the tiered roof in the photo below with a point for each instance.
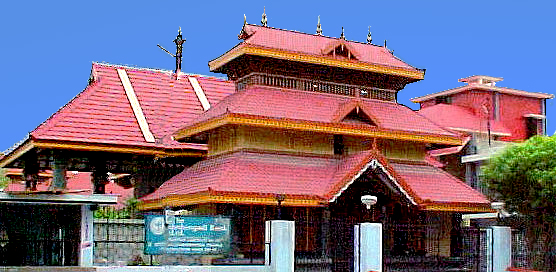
(318, 112)
(256, 178)
(315, 49)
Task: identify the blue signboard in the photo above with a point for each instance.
(187, 235)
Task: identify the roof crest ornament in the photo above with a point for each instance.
(342, 36)
(369, 38)
(179, 40)
(319, 29)
(243, 33)
(264, 20)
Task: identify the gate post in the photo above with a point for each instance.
(86, 243)
(282, 245)
(499, 244)
(368, 247)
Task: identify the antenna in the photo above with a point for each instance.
(179, 40)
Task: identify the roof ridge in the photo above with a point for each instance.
(316, 35)
(158, 70)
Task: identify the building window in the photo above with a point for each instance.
(338, 144)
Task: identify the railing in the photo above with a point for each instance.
(315, 86)
(430, 248)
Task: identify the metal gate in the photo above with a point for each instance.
(474, 249)
(335, 248)
(39, 235)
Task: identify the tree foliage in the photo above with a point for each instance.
(524, 177)
(130, 211)
(4, 181)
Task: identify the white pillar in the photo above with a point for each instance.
(368, 247)
(282, 246)
(86, 253)
(501, 248)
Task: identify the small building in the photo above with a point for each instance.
(491, 117)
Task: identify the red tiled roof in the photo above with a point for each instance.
(429, 184)
(267, 174)
(291, 104)
(102, 113)
(292, 41)
(80, 183)
(321, 177)
(461, 119)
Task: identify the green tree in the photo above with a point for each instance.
(524, 177)
(3, 179)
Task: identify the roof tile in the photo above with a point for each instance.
(102, 113)
(321, 177)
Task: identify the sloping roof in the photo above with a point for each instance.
(102, 113)
(484, 88)
(461, 119)
(432, 187)
(289, 105)
(282, 42)
(252, 176)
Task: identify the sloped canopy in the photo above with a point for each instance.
(246, 177)
(318, 112)
(308, 48)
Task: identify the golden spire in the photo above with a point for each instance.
(343, 37)
(319, 29)
(264, 21)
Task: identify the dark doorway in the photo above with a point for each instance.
(39, 235)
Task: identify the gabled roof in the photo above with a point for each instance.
(256, 178)
(293, 109)
(102, 117)
(483, 87)
(461, 119)
(297, 46)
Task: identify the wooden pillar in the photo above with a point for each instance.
(31, 172)
(58, 173)
(100, 177)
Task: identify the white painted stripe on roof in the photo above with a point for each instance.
(141, 120)
(200, 94)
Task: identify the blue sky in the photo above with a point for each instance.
(47, 47)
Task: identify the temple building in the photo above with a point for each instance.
(304, 126)
(312, 126)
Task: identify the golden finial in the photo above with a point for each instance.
(264, 20)
(319, 29)
(244, 19)
(343, 37)
(369, 38)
